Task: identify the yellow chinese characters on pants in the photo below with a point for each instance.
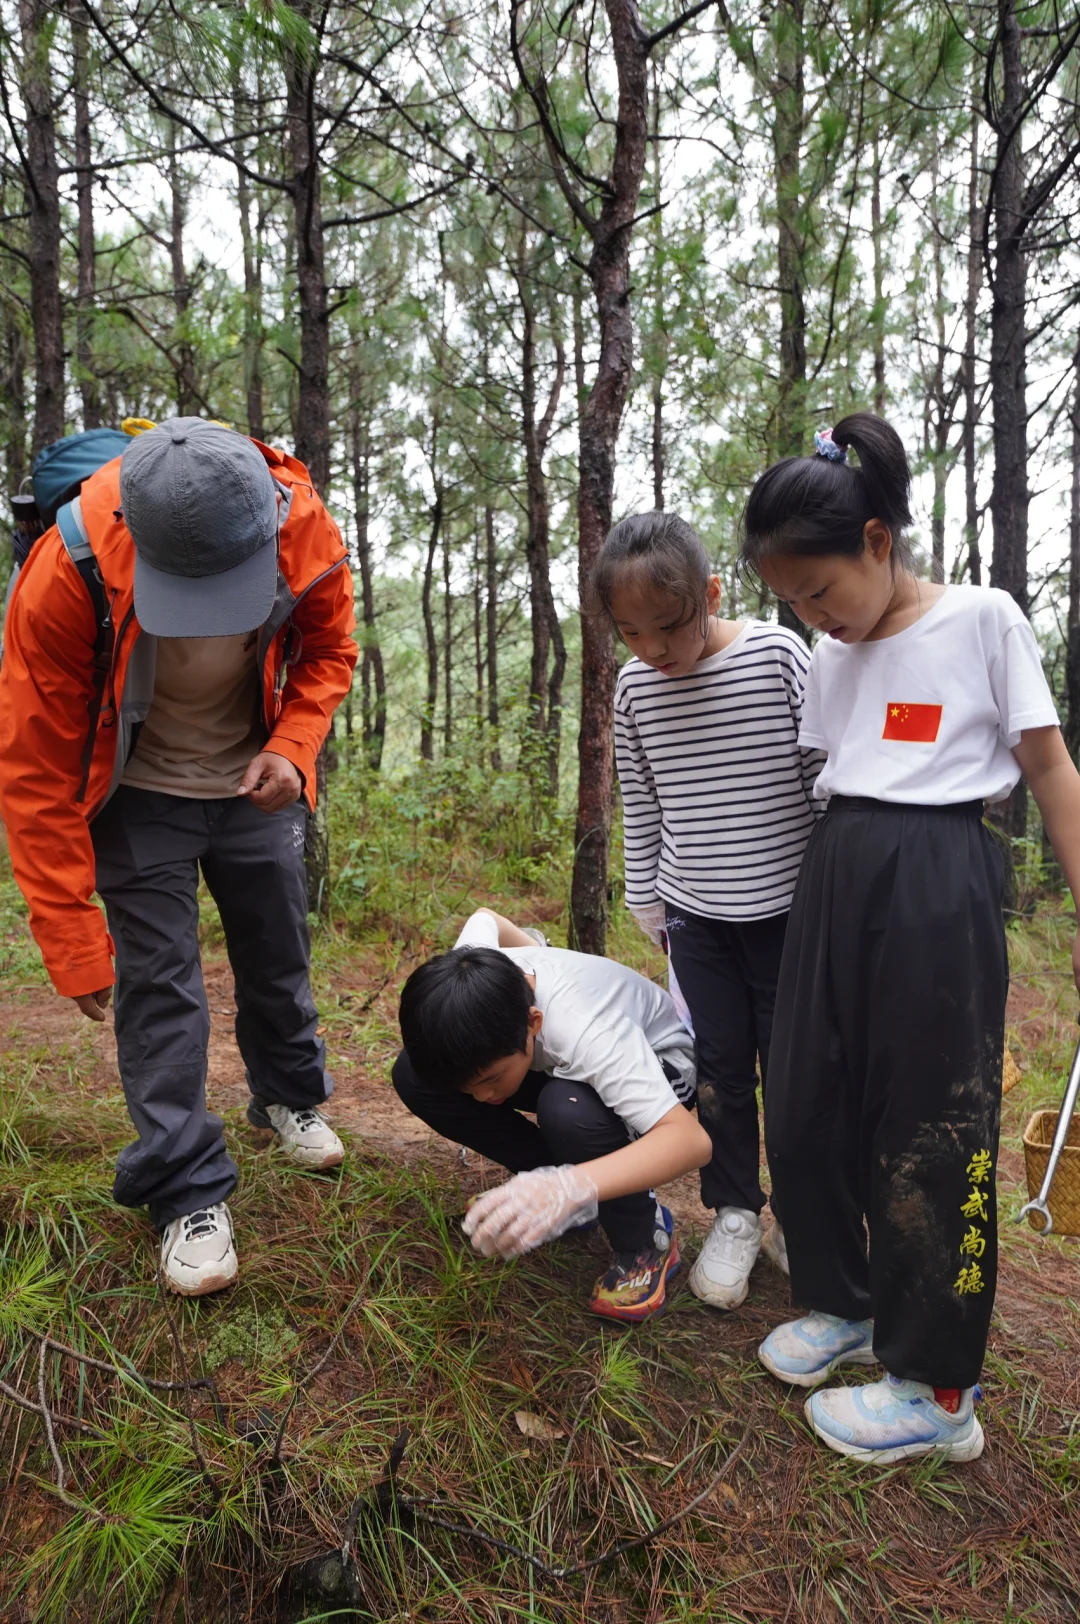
(970, 1280)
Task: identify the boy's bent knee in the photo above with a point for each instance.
(576, 1123)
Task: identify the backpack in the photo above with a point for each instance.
(57, 476)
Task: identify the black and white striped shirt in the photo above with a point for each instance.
(716, 791)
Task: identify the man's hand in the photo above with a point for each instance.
(94, 1004)
(271, 782)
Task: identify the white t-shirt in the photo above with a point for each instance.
(604, 1025)
(930, 715)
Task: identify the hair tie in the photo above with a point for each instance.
(825, 446)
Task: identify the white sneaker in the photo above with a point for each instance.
(721, 1275)
(305, 1136)
(197, 1252)
(774, 1246)
(893, 1420)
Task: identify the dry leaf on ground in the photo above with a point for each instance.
(534, 1426)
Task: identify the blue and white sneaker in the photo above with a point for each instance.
(893, 1420)
(806, 1351)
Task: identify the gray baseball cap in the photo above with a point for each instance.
(202, 510)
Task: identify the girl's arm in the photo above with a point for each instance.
(510, 935)
(535, 1207)
(1055, 784)
(641, 810)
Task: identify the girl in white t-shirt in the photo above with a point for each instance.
(885, 1072)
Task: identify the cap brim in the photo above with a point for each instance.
(236, 600)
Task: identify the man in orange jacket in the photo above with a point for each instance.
(231, 609)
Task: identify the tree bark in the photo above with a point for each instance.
(372, 670)
(313, 404)
(971, 406)
(879, 278)
(183, 350)
(609, 273)
(546, 630)
(14, 397)
(1072, 647)
(252, 256)
(789, 118)
(1008, 354)
(43, 202)
(448, 645)
(431, 642)
(84, 190)
(659, 320)
(491, 629)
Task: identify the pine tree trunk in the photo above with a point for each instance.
(609, 273)
(252, 256)
(879, 279)
(372, 671)
(1008, 356)
(788, 123)
(313, 404)
(1072, 648)
(14, 400)
(448, 645)
(659, 321)
(431, 642)
(971, 405)
(84, 190)
(187, 397)
(43, 203)
(491, 626)
(940, 406)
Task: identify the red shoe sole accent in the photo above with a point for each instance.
(653, 1305)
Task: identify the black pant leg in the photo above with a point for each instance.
(935, 1041)
(499, 1132)
(709, 963)
(147, 847)
(579, 1127)
(254, 868)
(813, 1103)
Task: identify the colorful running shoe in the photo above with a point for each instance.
(892, 1420)
(805, 1351)
(635, 1286)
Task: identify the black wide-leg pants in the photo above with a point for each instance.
(885, 1080)
(572, 1125)
(149, 849)
(728, 971)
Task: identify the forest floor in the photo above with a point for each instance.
(360, 1312)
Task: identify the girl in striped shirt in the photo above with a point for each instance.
(717, 812)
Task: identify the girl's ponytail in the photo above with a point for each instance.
(883, 467)
(821, 504)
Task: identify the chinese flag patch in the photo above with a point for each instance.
(915, 724)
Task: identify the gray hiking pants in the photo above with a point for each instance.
(149, 850)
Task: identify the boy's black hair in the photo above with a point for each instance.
(811, 506)
(657, 550)
(461, 1012)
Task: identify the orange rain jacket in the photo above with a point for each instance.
(48, 792)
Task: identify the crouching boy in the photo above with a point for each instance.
(502, 1026)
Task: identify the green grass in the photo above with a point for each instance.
(174, 1507)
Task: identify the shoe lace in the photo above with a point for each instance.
(303, 1120)
(198, 1225)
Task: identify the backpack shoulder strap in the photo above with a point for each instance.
(69, 522)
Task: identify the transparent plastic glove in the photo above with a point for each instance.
(652, 919)
(529, 1209)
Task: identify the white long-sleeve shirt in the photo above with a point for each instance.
(717, 794)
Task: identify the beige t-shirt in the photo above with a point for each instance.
(205, 722)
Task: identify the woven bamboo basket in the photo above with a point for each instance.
(1064, 1199)
(1010, 1072)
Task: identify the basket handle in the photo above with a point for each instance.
(1068, 1106)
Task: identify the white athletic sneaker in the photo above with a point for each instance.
(305, 1136)
(807, 1350)
(774, 1246)
(721, 1275)
(893, 1420)
(197, 1252)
